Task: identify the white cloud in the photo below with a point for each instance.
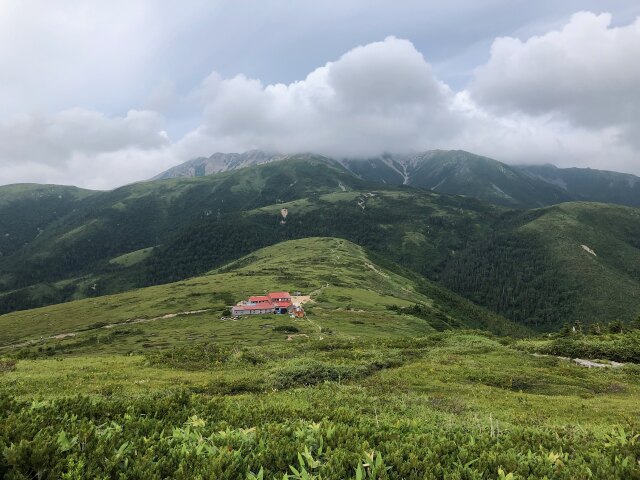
(587, 73)
(379, 97)
(83, 146)
(569, 96)
(524, 139)
(384, 97)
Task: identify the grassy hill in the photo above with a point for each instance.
(187, 226)
(527, 266)
(365, 387)
(344, 283)
(67, 256)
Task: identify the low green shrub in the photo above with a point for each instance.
(7, 365)
(325, 435)
(620, 347)
(286, 329)
(311, 373)
(192, 357)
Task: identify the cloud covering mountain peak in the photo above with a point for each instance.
(568, 96)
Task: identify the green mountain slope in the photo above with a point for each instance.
(340, 276)
(461, 173)
(561, 264)
(26, 210)
(591, 185)
(106, 225)
(528, 266)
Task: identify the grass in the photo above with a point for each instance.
(617, 347)
(132, 258)
(363, 384)
(446, 405)
(472, 371)
(338, 274)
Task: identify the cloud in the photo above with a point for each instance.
(587, 73)
(89, 147)
(382, 96)
(569, 96)
(523, 139)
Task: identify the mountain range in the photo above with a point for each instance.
(459, 173)
(538, 268)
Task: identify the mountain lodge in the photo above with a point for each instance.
(273, 302)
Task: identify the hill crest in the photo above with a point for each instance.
(456, 172)
(339, 276)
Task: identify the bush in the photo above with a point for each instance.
(616, 326)
(191, 357)
(181, 435)
(7, 365)
(286, 329)
(620, 347)
(310, 373)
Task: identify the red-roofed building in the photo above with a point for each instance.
(279, 296)
(273, 302)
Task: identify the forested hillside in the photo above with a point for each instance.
(591, 185)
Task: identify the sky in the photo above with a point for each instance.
(100, 94)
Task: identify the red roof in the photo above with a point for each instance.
(259, 298)
(279, 295)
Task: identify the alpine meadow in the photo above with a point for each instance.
(354, 293)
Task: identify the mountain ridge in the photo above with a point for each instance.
(457, 172)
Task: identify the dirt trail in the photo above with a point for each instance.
(318, 291)
(585, 363)
(291, 337)
(372, 267)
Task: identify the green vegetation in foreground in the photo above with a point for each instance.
(364, 387)
(446, 405)
(344, 283)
